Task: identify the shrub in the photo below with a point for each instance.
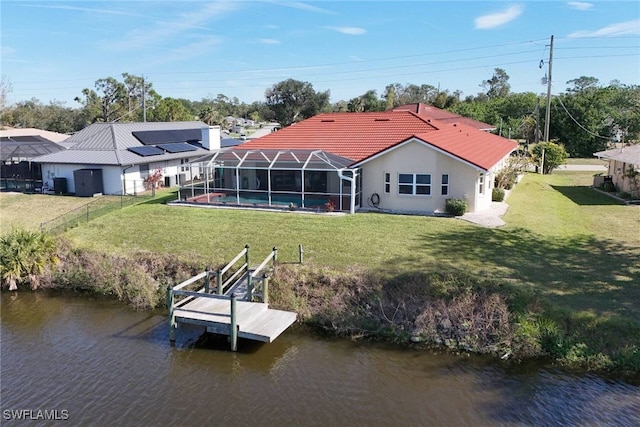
(506, 179)
(456, 207)
(153, 180)
(497, 195)
(24, 257)
(140, 279)
(550, 155)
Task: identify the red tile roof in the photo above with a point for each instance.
(432, 112)
(355, 136)
(480, 148)
(359, 136)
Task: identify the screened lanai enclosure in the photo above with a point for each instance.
(285, 179)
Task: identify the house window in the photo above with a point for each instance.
(481, 184)
(184, 166)
(387, 183)
(444, 189)
(414, 184)
(144, 170)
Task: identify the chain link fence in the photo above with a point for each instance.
(92, 210)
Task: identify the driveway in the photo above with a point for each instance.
(266, 130)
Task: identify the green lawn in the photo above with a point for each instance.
(29, 210)
(32, 210)
(588, 161)
(576, 248)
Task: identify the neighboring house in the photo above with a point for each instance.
(395, 161)
(624, 168)
(115, 158)
(18, 147)
(434, 113)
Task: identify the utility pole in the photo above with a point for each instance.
(547, 113)
(547, 117)
(144, 101)
(536, 137)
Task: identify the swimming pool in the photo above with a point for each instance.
(281, 200)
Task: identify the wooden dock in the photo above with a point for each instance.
(235, 305)
(254, 320)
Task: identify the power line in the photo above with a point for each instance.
(249, 79)
(578, 123)
(260, 81)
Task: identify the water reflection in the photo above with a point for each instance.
(108, 365)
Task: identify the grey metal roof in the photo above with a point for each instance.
(107, 143)
(629, 154)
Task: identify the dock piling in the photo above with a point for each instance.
(234, 328)
(172, 317)
(265, 288)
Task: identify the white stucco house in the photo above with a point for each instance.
(115, 158)
(393, 161)
(623, 168)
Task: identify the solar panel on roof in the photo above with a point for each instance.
(147, 150)
(177, 147)
(152, 137)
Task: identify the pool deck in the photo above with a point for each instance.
(205, 198)
(218, 199)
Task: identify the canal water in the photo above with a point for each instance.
(93, 362)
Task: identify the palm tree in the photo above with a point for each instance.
(24, 256)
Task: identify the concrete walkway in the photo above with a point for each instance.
(490, 217)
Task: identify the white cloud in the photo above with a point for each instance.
(269, 41)
(580, 5)
(188, 51)
(352, 31)
(6, 50)
(497, 19)
(619, 29)
(83, 9)
(304, 6)
(147, 37)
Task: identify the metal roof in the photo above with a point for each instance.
(107, 144)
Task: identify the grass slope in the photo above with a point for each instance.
(577, 248)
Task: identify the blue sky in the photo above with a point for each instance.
(51, 50)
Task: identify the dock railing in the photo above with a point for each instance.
(236, 271)
(180, 292)
(258, 280)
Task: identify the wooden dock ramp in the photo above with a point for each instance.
(230, 301)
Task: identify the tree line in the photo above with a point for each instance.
(585, 118)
